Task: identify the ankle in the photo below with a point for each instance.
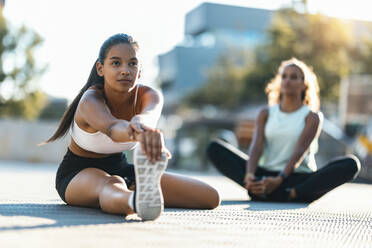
(128, 210)
(128, 203)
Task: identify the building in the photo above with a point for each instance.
(210, 29)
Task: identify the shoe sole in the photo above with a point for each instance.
(149, 203)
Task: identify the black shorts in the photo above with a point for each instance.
(72, 164)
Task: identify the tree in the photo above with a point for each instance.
(17, 71)
(225, 82)
(322, 42)
(362, 54)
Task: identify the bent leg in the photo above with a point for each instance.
(228, 160)
(335, 173)
(93, 187)
(185, 192)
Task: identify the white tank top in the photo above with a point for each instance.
(282, 131)
(99, 142)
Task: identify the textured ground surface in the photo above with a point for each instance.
(31, 215)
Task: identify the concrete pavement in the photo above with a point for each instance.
(32, 215)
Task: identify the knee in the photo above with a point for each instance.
(353, 165)
(213, 200)
(114, 180)
(112, 195)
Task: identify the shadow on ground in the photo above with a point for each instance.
(28, 216)
(265, 206)
(269, 206)
(54, 215)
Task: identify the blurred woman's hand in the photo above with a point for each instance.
(266, 186)
(248, 180)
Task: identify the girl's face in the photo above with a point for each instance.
(120, 68)
(292, 81)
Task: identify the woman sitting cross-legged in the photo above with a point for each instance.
(281, 164)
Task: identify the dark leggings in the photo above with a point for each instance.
(308, 186)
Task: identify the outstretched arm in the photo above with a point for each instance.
(256, 147)
(151, 104)
(93, 111)
(144, 123)
(311, 131)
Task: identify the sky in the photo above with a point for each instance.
(73, 31)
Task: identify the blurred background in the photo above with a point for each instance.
(212, 61)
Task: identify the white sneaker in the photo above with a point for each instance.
(148, 197)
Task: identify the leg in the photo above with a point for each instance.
(228, 160)
(282, 193)
(93, 187)
(335, 173)
(185, 192)
(231, 162)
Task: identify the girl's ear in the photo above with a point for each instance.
(99, 68)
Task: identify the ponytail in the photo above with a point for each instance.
(93, 80)
(68, 117)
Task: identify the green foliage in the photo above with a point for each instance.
(321, 42)
(225, 82)
(362, 54)
(324, 43)
(18, 70)
(28, 107)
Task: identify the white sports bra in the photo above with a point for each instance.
(99, 142)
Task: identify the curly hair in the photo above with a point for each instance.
(310, 96)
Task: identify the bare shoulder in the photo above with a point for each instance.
(313, 118)
(147, 90)
(91, 102)
(91, 96)
(148, 95)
